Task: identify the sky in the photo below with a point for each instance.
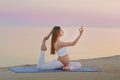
(60, 12)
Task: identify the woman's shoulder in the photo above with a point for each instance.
(58, 44)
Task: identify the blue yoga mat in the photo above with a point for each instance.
(35, 70)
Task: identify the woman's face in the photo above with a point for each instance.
(61, 32)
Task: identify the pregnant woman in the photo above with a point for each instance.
(60, 48)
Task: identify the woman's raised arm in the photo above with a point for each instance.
(65, 44)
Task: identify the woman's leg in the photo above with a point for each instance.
(73, 66)
(41, 59)
(42, 54)
(55, 64)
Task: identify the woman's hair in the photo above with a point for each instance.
(55, 33)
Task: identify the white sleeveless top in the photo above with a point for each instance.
(61, 52)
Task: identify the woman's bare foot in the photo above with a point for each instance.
(43, 46)
(66, 68)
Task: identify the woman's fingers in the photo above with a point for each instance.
(81, 29)
(45, 38)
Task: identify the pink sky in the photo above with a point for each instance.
(60, 12)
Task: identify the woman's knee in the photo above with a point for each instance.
(75, 65)
(78, 64)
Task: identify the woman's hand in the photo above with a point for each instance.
(45, 38)
(81, 30)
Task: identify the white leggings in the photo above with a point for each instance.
(55, 64)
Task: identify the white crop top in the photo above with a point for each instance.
(61, 52)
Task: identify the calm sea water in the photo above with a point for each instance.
(21, 45)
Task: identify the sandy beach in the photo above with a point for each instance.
(110, 67)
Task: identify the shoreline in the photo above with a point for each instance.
(30, 65)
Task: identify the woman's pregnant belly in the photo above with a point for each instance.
(65, 59)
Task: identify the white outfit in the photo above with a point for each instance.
(62, 52)
(56, 64)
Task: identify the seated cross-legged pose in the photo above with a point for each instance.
(60, 48)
